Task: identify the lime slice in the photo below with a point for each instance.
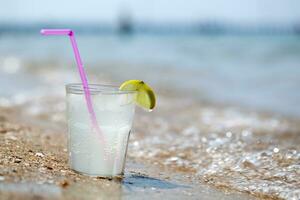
(145, 95)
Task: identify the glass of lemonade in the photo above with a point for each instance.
(114, 110)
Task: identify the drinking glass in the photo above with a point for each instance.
(99, 153)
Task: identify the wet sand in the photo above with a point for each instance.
(185, 149)
(33, 165)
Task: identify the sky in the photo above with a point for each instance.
(234, 11)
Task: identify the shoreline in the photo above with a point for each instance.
(159, 154)
(34, 165)
(227, 149)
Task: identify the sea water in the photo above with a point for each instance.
(99, 153)
(255, 71)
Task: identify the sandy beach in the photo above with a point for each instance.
(226, 125)
(185, 149)
(34, 166)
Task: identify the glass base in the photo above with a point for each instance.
(101, 176)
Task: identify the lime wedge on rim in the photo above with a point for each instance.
(145, 95)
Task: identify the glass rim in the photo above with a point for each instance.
(77, 88)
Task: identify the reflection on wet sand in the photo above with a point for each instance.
(133, 186)
(142, 181)
(102, 189)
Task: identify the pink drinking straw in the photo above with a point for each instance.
(82, 74)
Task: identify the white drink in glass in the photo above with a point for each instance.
(88, 152)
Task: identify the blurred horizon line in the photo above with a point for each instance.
(129, 27)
